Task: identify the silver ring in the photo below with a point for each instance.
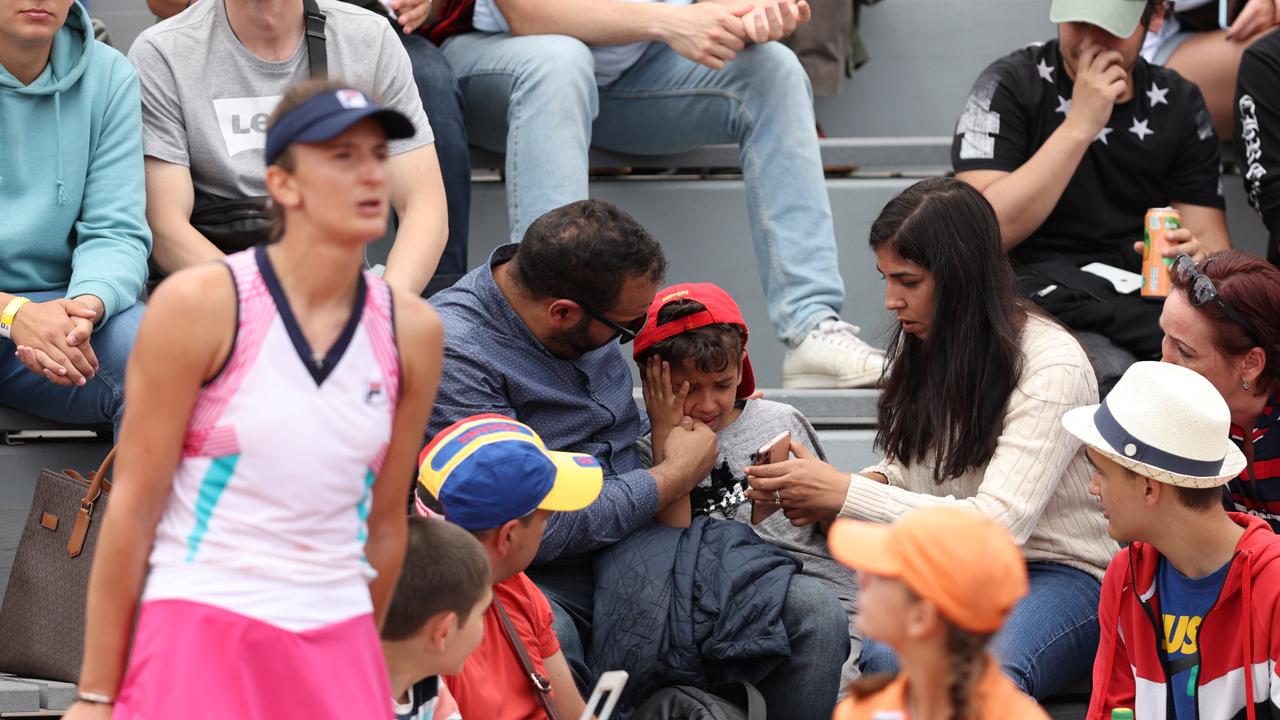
(777, 497)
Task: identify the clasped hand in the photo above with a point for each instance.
(53, 339)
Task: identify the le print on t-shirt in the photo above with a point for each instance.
(243, 121)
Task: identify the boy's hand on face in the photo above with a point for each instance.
(664, 403)
(692, 449)
(1101, 80)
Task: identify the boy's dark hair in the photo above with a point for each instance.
(1193, 498)
(445, 570)
(1198, 498)
(710, 348)
(585, 251)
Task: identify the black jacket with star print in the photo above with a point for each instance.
(1159, 148)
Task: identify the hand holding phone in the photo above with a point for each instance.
(774, 451)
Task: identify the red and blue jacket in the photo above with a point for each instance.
(1238, 638)
(1257, 490)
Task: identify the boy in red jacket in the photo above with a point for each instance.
(1188, 609)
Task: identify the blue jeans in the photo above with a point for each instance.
(536, 99)
(802, 687)
(442, 101)
(101, 400)
(1049, 640)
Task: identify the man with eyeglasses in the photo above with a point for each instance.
(1072, 141)
(530, 335)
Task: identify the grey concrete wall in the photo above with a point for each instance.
(925, 54)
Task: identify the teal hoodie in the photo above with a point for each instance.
(72, 193)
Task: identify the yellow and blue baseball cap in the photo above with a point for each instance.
(488, 469)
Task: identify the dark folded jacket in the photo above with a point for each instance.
(699, 606)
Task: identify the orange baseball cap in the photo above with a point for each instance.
(959, 560)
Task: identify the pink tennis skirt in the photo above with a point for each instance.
(191, 660)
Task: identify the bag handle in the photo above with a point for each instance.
(540, 682)
(98, 484)
(317, 56)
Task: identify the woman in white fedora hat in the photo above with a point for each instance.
(1188, 608)
(1221, 321)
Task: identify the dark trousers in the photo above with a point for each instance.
(1117, 329)
(442, 101)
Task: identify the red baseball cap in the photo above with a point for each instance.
(719, 308)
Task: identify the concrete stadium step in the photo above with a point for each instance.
(923, 155)
(29, 698)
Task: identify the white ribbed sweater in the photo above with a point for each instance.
(1036, 483)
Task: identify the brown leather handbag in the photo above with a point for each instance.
(42, 620)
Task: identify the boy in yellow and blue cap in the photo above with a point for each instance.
(495, 478)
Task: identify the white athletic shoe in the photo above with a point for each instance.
(832, 356)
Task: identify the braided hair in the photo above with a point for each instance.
(968, 661)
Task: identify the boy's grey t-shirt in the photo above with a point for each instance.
(206, 98)
(722, 494)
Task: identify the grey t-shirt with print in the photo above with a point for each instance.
(722, 493)
(206, 98)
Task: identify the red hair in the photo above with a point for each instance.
(1251, 286)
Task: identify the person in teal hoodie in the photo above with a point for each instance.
(74, 239)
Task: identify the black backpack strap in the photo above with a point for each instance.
(745, 695)
(317, 56)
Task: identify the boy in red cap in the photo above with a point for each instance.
(937, 603)
(693, 360)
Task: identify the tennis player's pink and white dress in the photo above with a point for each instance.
(257, 602)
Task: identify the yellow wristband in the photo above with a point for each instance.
(10, 312)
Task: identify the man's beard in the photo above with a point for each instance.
(576, 341)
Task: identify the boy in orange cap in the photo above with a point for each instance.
(937, 603)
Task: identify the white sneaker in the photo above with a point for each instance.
(832, 356)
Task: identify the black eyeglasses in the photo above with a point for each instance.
(1202, 290)
(626, 333)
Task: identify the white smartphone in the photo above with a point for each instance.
(1125, 282)
(609, 689)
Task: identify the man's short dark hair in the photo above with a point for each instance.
(710, 348)
(585, 251)
(1198, 498)
(445, 570)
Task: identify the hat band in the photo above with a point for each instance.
(1128, 446)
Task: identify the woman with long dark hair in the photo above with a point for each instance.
(969, 417)
(1223, 321)
(258, 525)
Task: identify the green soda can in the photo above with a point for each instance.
(1121, 714)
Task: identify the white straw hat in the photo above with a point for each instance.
(1164, 422)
